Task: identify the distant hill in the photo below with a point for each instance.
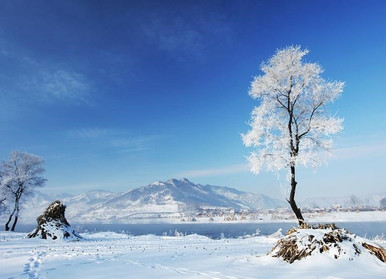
(344, 201)
(159, 198)
(167, 199)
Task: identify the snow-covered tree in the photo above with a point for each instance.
(3, 198)
(291, 126)
(355, 201)
(2, 202)
(19, 176)
(382, 203)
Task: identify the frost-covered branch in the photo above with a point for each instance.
(301, 95)
(19, 176)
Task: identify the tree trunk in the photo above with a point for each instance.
(14, 223)
(291, 200)
(9, 220)
(17, 210)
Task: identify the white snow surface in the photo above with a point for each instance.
(57, 230)
(112, 255)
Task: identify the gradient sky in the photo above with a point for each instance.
(118, 94)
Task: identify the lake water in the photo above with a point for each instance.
(217, 230)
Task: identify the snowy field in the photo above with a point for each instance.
(112, 255)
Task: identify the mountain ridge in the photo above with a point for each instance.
(169, 198)
(173, 196)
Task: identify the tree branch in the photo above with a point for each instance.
(310, 119)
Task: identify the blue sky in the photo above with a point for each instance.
(118, 94)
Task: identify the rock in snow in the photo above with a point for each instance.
(54, 225)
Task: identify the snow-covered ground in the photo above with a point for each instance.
(111, 255)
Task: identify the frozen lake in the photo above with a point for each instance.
(217, 230)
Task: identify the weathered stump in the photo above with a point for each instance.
(52, 224)
(328, 239)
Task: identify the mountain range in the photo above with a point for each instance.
(171, 199)
(159, 199)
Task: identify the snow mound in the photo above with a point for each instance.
(277, 234)
(105, 236)
(52, 224)
(329, 240)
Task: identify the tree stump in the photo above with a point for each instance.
(326, 239)
(52, 224)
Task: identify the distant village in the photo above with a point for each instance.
(278, 214)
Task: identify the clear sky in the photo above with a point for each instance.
(118, 94)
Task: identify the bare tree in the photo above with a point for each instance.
(291, 126)
(19, 176)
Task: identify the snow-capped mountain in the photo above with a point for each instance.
(155, 200)
(162, 200)
(184, 192)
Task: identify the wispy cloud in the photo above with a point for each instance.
(179, 37)
(117, 140)
(360, 146)
(57, 85)
(136, 140)
(31, 80)
(368, 150)
(93, 132)
(375, 149)
(215, 171)
(184, 38)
